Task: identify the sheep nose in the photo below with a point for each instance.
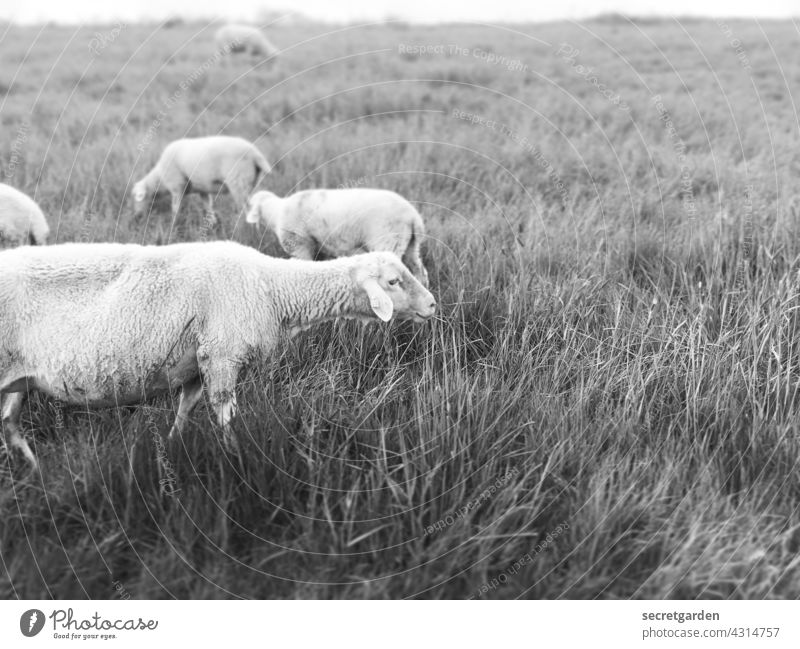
(430, 309)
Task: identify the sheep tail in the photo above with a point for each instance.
(262, 166)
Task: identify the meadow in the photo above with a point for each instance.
(606, 405)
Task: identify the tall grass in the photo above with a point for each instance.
(608, 362)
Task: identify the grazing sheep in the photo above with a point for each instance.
(243, 38)
(21, 220)
(106, 324)
(340, 222)
(202, 165)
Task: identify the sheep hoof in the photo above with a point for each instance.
(173, 437)
(230, 442)
(32, 462)
(17, 442)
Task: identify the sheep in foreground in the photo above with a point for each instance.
(203, 165)
(151, 319)
(340, 222)
(21, 219)
(234, 38)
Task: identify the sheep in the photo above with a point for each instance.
(203, 165)
(338, 222)
(233, 38)
(109, 324)
(21, 219)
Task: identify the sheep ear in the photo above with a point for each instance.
(380, 302)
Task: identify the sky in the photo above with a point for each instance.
(87, 11)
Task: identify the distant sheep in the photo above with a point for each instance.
(340, 222)
(234, 38)
(21, 219)
(202, 165)
(155, 318)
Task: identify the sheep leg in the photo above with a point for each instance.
(211, 217)
(297, 246)
(226, 411)
(191, 392)
(219, 376)
(177, 201)
(240, 191)
(304, 252)
(12, 409)
(407, 248)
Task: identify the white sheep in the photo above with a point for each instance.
(339, 222)
(106, 324)
(202, 165)
(233, 38)
(21, 219)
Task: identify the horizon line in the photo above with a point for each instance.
(298, 17)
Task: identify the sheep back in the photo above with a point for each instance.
(108, 323)
(346, 221)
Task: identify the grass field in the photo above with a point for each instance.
(607, 405)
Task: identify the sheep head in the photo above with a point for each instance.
(264, 206)
(140, 195)
(390, 289)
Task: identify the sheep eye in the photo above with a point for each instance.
(394, 282)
